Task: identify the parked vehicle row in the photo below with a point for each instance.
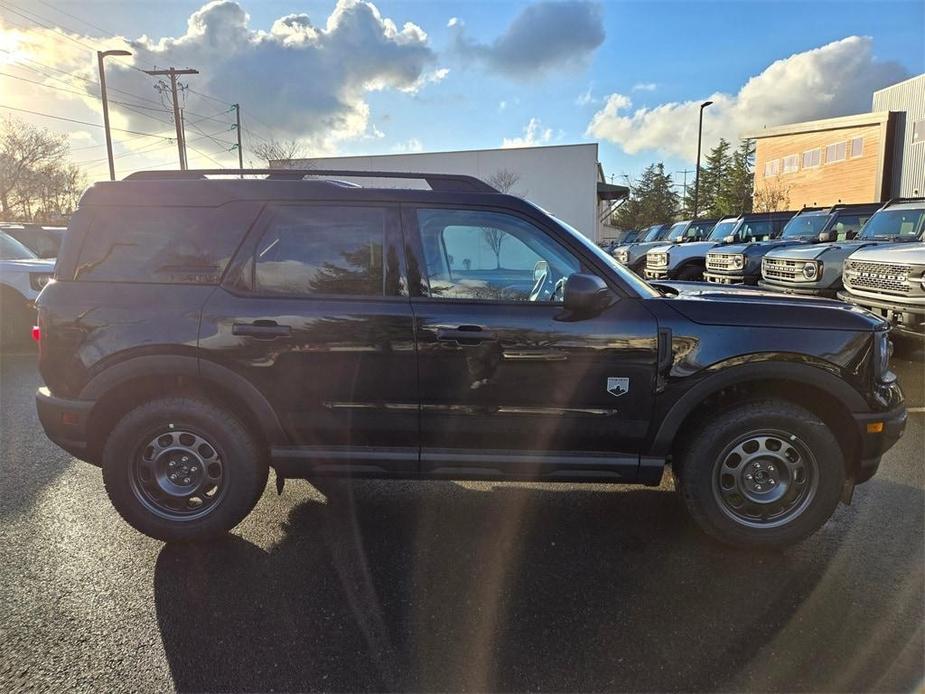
(806, 253)
(22, 276)
(199, 331)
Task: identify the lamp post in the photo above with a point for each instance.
(699, 138)
(99, 59)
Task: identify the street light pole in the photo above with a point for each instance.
(99, 60)
(699, 138)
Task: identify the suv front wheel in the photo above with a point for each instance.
(181, 469)
(765, 473)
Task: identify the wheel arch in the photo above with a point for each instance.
(810, 387)
(135, 380)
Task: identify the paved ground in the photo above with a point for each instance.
(443, 586)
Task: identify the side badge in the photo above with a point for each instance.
(617, 386)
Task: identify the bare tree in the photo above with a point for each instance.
(503, 180)
(771, 196)
(279, 153)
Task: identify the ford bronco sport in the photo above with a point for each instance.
(725, 264)
(809, 225)
(816, 270)
(202, 329)
(633, 255)
(658, 264)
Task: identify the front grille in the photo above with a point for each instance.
(883, 277)
(782, 269)
(720, 261)
(656, 261)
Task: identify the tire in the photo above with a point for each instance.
(16, 319)
(218, 468)
(757, 458)
(691, 273)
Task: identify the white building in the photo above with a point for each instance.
(565, 180)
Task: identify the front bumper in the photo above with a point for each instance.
(874, 444)
(657, 274)
(717, 278)
(65, 421)
(904, 319)
(798, 291)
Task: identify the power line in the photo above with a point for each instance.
(81, 122)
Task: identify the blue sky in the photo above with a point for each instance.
(652, 53)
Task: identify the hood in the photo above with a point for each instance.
(907, 253)
(738, 305)
(29, 265)
(661, 249)
(696, 247)
(761, 247)
(819, 250)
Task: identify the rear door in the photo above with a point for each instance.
(315, 314)
(505, 382)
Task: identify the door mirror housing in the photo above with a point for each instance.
(585, 295)
(825, 236)
(730, 239)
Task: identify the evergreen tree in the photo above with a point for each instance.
(652, 200)
(735, 190)
(712, 173)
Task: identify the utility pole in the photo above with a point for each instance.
(237, 127)
(105, 99)
(177, 118)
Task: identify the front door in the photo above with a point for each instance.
(505, 383)
(315, 315)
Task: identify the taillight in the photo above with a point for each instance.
(36, 334)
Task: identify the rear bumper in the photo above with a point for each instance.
(904, 319)
(875, 444)
(65, 421)
(799, 291)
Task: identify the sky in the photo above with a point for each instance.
(350, 77)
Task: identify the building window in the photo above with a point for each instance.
(857, 146)
(791, 163)
(918, 131)
(836, 152)
(812, 158)
(771, 168)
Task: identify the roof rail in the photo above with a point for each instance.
(436, 181)
(897, 201)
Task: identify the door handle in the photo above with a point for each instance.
(466, 334)
(261, 329)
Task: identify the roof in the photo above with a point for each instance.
(609, 191)
(812, 126)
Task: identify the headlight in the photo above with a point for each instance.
(657, 259)
(883, 348)
(738, 261)
(622, 256)
(38, 280)
(810, 271)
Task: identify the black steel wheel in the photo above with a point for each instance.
(183, 469)
(760, 474)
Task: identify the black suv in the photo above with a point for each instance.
(201, 330)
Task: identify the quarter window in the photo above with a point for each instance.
(473, 254)
(322, 250)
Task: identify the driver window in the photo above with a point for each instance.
(848, 226)
(474, 254)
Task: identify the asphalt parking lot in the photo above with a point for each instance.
(451, 586)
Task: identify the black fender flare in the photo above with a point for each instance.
(684, 264)
(200, 369)
(728, 376)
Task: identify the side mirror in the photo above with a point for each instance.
(585, 295)
(729, 239)
(825, 236)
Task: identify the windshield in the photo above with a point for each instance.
(722, 230)
(676, 231)
(805, 226)
(892, 224)
(630, 278)
(652, 233)
(11, 249)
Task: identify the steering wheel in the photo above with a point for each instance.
(544, 286)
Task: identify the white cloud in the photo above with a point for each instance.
(502, 105)
(533, 135)
(453, 22)
(408, 146)
(833, 80)
(644, 87)
(543, 36)
(585, 98)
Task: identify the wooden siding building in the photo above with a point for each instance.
(847, 159)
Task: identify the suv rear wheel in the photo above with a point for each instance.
(765, 473)
(181, 469)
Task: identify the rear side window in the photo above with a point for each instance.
(168, 245)
(323, 250)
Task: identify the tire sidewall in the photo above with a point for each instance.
(244, 476)
(699, 472)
